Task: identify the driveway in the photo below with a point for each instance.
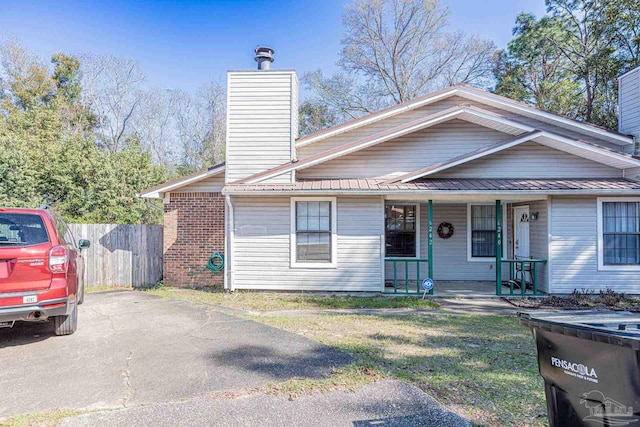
(132, 348)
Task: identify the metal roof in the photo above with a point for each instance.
(444, 185)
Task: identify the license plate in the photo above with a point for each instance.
(6, 324)
(29, 299)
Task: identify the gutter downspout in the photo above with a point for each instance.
(228, 243)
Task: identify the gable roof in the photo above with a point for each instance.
(480, 96)
(154, 192)
(464, 112)
(578, 148)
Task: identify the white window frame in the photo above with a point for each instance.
(418, 231)
(334, 236)
(469, 248)
(601, 264)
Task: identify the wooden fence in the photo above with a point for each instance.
(121, 255)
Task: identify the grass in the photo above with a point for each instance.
(40, 419)
(483, 367)
(261, 301)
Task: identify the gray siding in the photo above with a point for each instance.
(450, 255)
(408, 116)
(574, 250)
(211, 184)
(408, 153)
(629, 103)
(260, 127)
(530, 160)
(261, 247)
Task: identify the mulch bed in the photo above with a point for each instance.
(578, 300)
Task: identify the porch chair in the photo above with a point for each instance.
(523, 275)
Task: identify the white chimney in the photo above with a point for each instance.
(629, 105)
(262, 119)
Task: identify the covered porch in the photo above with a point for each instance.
(469, 245)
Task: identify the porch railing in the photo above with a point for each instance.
(522, 267)
(410, 287)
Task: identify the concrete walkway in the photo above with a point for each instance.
(389, 403)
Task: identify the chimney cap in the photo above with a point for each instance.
(264, 53)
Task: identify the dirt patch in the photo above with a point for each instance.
(580, 300)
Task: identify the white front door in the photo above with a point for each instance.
(521, 232)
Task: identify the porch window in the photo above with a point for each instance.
(621, 233)
(313, 232)
(401, 225)
(483, 231)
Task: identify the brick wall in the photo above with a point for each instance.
(193, 230)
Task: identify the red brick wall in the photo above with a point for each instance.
(193, 230)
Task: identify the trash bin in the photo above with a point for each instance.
(590, 362)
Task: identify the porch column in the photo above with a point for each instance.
(498, 247)
(430, 238)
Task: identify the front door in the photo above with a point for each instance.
(521, 232)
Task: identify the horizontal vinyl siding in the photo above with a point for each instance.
(450, 255)
(629, 103)
(408, 153)
(381, 125)
(260, 117)
(530, 160)
(211, 184)
(574, 250)
(261, 247)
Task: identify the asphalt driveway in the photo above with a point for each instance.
(133, 348)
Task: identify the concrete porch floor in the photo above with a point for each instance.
(456, 288)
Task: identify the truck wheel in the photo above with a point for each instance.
(66, 325)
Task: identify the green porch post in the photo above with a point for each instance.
(498, 247)
(430, 238)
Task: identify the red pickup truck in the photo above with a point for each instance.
(41, 269)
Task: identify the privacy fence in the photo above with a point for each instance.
(121, 255)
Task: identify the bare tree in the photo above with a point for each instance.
(395, 50)
(155, 124)
(201, 126)
(113, 92)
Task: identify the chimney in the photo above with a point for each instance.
(262, 119)
(264, 57)
(629, 106)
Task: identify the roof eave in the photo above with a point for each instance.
(156, 192)
(497, 193)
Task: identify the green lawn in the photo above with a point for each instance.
(483, 367)
(264, 301)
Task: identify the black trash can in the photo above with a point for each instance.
(590, 362)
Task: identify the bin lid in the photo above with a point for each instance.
(619, 323)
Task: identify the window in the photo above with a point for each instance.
(619, 233)
(401, 225)
(481, 232)
(313, 232)
(22, 230)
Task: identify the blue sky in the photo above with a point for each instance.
(183, 45)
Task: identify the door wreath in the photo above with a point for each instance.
(445, 230)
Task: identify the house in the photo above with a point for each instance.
(481, 193)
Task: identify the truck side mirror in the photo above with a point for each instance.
(84, 243)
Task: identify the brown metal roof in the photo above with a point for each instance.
(448, 184)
